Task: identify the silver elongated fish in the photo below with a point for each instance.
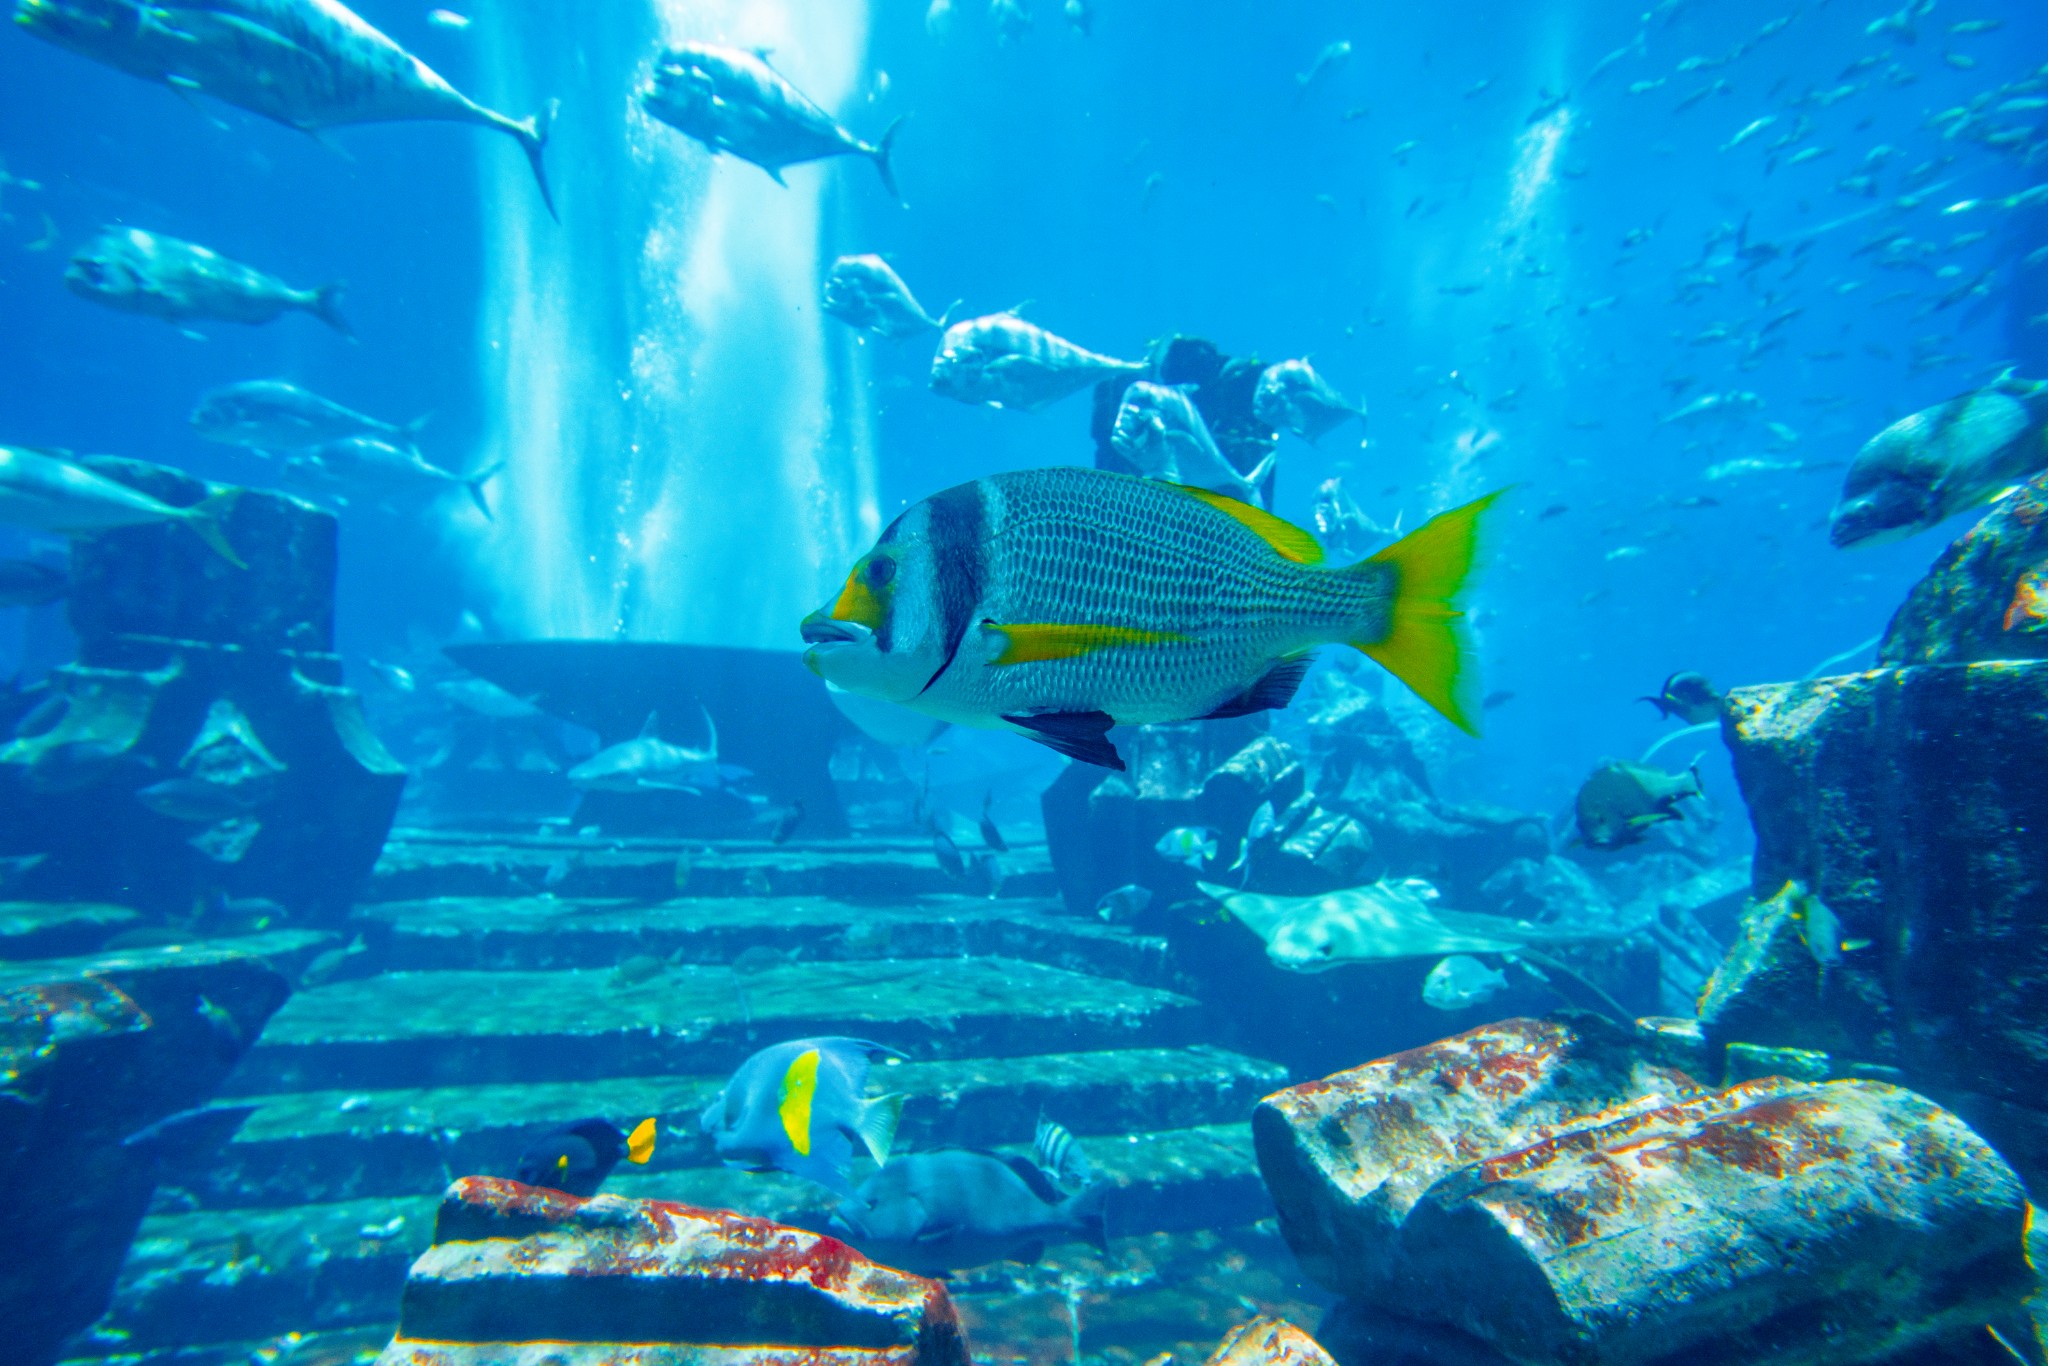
(1292, 395)
(273, 415)
(308, 64)
(137, 271)
(1057, 603)
(1005, 362)
(732, 101)
(867, 293)
(46, 491)
(649, 762)
(1159, 429)
(371, 462)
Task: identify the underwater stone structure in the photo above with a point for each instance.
(1543, 1191)
(92, 1051)
(1267, 1341)
(202, 744)
(1910, 800)
(657, 1283)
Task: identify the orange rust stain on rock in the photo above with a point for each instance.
(1772, 1138)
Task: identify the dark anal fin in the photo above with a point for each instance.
(1273, 690)
(1082, 735)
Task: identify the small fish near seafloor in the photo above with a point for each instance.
(1131, 602)
(1005, 362)
(799, 1106)
(308, 64)
(1460, 982)
(733, 101)
(48, 491)
(956, 1208)
(576, 1158)
(1193, 845)
(181, 282)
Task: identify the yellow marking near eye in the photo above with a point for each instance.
(799, 1088)
(858, 603)
(1031, 643)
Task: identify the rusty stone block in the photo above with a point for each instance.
(517, 1273)
(1775, 1221)
(1346, 1158)
(1267, 1341)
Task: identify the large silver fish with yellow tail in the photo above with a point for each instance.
(1057, 603)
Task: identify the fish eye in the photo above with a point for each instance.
(881, 571)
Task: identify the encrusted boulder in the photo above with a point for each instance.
(1267, 1341)
(517, 1273)
(93, 1051)
(1963, 610)
(1537, 1189)
(1910, 801)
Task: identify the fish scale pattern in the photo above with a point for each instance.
(1092, 547)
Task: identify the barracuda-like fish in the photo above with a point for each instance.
(369, 462)
(1005, 362)
(1159, 429)
(733, 101)
(273, 415)
(1057, 603)
(308, 64)
(867, 293)
(146, 272)
(46, 491)
(1925, 468)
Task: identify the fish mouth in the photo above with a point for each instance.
(819, 629)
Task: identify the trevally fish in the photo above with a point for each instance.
(368, 461)
(308, 64)
(1460, 982)
(576, 1158)
(798, 1107)
(867, 293)
(649, 762)
(274, 415)
(1057, 603)
(1925, 468)
(955, 1208)
(46, 491)
(1005, 362)
(1159, 430)
(1292, 395)
(732, 101)
(146, 272)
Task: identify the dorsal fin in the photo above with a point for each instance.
(647, 727)
(1289, 541)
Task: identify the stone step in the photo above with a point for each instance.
(323, 1146)
(250, 1274)
(541, 933)
(419, 864)
(412, 1029)
(57, 929)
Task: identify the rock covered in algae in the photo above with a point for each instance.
(516, 1271)
(1527, 1187)
(1268, 1341)
(92, 1051)
(1962, 611)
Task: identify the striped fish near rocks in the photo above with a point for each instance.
(732, 101)
(308, 64)
(1058, 603)
(1005, 362)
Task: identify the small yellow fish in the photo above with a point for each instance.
(2029, 608)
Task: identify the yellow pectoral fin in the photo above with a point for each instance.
(1030, 643)
(1289, 541)
(640, 1143)
(799, 1087)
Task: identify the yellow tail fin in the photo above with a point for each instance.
(1420, 646)
(205, 521)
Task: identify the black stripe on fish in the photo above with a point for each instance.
(958, 535)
